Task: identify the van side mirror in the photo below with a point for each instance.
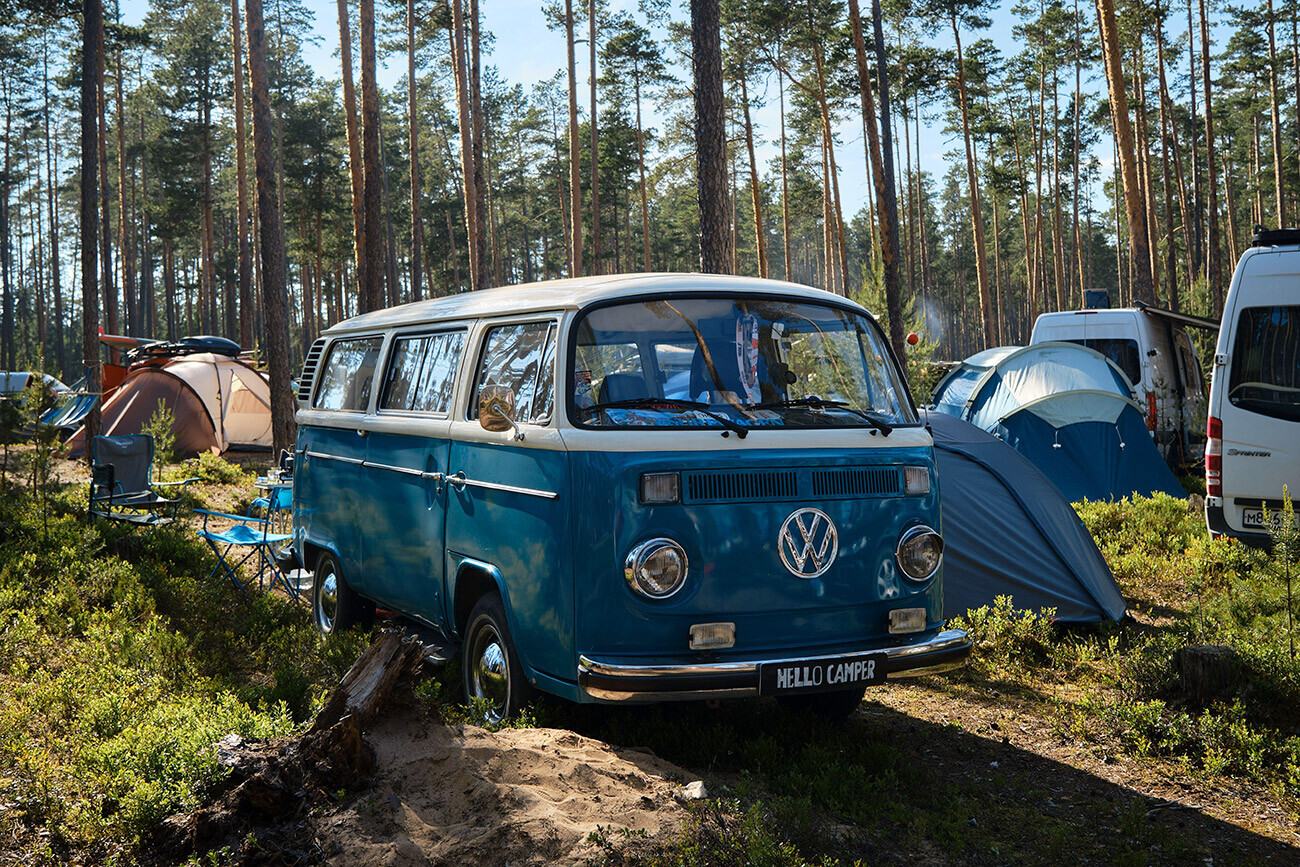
(496, 410)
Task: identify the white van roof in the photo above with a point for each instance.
(553, 295)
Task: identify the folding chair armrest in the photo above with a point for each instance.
(206, 513)
(174, 484)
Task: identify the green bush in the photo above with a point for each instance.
(161, 427)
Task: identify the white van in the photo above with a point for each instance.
(1254, 424)
(1153, 348)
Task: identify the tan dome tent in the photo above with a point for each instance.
(219, 403)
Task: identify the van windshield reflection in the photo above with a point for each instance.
(734, 363)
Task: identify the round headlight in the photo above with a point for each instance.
(920, 552)
(656, 568)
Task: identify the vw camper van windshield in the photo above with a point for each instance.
(753, 362)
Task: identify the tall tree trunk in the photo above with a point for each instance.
(1076, 147)
(372, 194)
(760, 239)
(356, 169)
(575, 184)
(640, 161)
(207, 295)
(1058, 240)
(710, 137)
(1167, 145)
(1133, 206)
(1030, 284)
(91, 45)
(271, 234)
(1279, 205)
(51, 199)
(413, 127)
(1195, 252)
(124, 245)
(977, 216)
(149, 302)
(1212, 205)
(476, 131)
(460, 62)
(241, 173)
(785, 185)
(592, 7)
(882, 167)
(7, 349)
(105, 224)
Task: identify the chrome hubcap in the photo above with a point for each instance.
(327, 602)
(490, 674)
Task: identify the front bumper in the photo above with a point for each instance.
(609, 680)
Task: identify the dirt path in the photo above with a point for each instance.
(459, 795)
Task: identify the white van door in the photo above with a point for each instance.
(1258, 404)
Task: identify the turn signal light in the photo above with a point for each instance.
(916, 480)
(713, 636)
(660, 489)
(1214, 458)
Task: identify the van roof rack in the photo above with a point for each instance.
(1274, 237)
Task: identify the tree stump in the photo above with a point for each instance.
(1208, 673)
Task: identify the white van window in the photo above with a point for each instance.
(349, 373)
(1266, 362)
(1119, 350)
(439, 374)
(514, 357)
(422, 372)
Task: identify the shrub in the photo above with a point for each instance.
(161, 427)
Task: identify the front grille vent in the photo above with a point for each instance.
(855, 482)
(717, 487)
(308, 375)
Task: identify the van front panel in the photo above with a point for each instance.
(735, 505)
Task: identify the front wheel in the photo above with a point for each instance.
(493, 676)
(335, 606)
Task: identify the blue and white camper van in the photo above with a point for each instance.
(628, 488)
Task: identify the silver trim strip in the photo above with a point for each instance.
(404, 470)
(356, 461)
(459, 480)
(949, 639)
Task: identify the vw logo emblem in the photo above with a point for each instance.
(809, 543)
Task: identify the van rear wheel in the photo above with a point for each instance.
(838, 705)
(490, 667)
(335, 606)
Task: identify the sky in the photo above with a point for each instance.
(526, 52)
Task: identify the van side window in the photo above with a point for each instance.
(349, 373)
(439, 375)
(520, 357)
(422, 372)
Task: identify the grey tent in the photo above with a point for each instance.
(1009, 532)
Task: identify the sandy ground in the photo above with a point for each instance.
(459, 795)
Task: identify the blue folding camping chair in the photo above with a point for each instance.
(253, 536)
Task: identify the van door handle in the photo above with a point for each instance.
(458, 480)
(436, 478)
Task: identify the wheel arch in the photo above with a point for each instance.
(473, 580)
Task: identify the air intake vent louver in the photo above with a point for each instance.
(855, 482)
(720, 487)
(308, 375)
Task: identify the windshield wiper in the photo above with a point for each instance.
(812, 401)
(674, 403)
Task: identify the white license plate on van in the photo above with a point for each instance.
(1253, 519)
(821, 675)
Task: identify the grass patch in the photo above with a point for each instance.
(122, 666)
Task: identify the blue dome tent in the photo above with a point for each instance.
(1066, 408)
(1009, 532)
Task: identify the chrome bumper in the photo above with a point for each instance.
(616, 681)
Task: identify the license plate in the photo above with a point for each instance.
(1253, 519)
(822, 675)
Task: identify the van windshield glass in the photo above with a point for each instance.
(728, 362)
(1266, 362)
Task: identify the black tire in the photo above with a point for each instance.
(490, 665)
(834, 706)
(335, 606)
